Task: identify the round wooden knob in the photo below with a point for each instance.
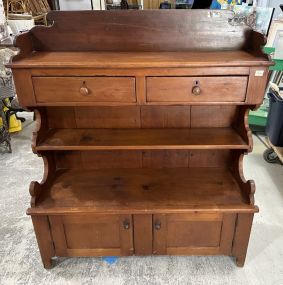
(84, 90)
(196, 90)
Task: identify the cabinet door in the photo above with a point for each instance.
(92, 235)
(196, 233)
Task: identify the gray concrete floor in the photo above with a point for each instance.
(20, 261)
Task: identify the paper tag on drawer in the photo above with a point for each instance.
(259, 72)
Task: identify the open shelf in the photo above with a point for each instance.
(97, 59)
(142, 190)
(136, 139)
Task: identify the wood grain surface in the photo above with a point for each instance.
(98, 89)
(140, 30)
(181, 89)
(142, 189)
(118, 139)
(135, 59)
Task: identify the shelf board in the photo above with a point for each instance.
(141, 190)
(179, 59)
(141, 139)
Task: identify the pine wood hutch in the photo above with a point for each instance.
(142, 125)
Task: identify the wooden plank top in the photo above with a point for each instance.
(139, 59)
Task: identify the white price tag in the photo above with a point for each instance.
(259, 72)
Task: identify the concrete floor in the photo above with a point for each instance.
(20, 261)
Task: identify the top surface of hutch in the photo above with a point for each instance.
(142, 126)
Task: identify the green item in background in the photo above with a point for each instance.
(278, 62)
(258, 118)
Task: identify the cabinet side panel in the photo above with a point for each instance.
(44, 239)
(58, 234)
(257, 84)
(241, 237)
(24, 87)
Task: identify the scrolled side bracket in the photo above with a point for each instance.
(247, 186)
(36, 188)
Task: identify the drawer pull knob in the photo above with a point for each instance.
(126, 224)
(157, 225)
(196, 90)
(84, 90)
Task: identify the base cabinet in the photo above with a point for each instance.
(163, 234)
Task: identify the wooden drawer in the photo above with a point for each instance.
(84, 89)
(196, 233)
(196, 89)
(92, 235)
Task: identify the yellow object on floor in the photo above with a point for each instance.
(14, 124)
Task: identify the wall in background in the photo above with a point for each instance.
(272, 4)
(81, 4)
(275, 4)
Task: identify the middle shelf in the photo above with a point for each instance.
(141, 139)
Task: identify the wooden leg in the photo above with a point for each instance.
(240, 261)
(44, 239)
(241, 238)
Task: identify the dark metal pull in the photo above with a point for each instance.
(126, 224)
(157, 225)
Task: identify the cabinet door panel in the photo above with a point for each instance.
(92, 235)
(197, 233)
(193, 234)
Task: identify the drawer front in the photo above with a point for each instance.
(84, 89)
(92, 235)
(196, 233)
(196, 89)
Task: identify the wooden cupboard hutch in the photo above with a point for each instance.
(141, 121)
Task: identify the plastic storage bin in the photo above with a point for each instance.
(274, 127)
